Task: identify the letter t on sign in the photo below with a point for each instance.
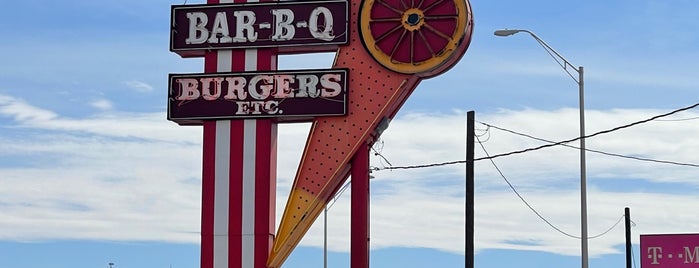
(655, 253)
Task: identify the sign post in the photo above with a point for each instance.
(239, 174)
(359, 242)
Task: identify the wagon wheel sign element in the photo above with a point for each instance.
(415, 36)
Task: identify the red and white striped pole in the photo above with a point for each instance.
(239, 174)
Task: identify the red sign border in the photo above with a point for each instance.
(282, 47)
(197, 120)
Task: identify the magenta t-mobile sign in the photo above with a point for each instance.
(670, 251)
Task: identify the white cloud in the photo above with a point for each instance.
(20, 110)
(140, 174)
(151, 126)
(425, 207)
(139, 86)
(102, 104)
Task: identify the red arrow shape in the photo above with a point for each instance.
(375, 94)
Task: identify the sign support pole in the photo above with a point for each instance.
(239, 175)
(359, 249)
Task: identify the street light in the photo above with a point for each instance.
(583, 177)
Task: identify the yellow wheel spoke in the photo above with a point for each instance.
(420, 4)
(442, 17)
(385, 20)
(381, 37)
(395, 47)
(427, 44)
(436, 3)
(412, 47)
(402, 3)
(438, 32)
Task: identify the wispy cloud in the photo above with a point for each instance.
(151, 126)
(21, 111)
(139, 86)
(140, 174)
(102, 104)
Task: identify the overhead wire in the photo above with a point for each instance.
(485, 131)
(596, 133)
(564, 142)
(378, 153)
(680, 119)
(551, 144)
(520, 196)
(536, 212)
(593, 150)
(608, 230)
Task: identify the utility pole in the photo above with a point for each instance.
(627, 225)
(470, 144)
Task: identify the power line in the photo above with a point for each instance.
(680, 119)
(557, 144)
(595, 134)
(420, 166)
(512, 187)
(595, 151)
(378, 153)
(608, 230)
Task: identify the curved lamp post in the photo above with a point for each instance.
(565, 64)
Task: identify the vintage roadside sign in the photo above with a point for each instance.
(287, 95)
(198, 28)
(669, 250)
(390, 46)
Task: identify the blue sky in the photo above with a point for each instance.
(91, 172)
